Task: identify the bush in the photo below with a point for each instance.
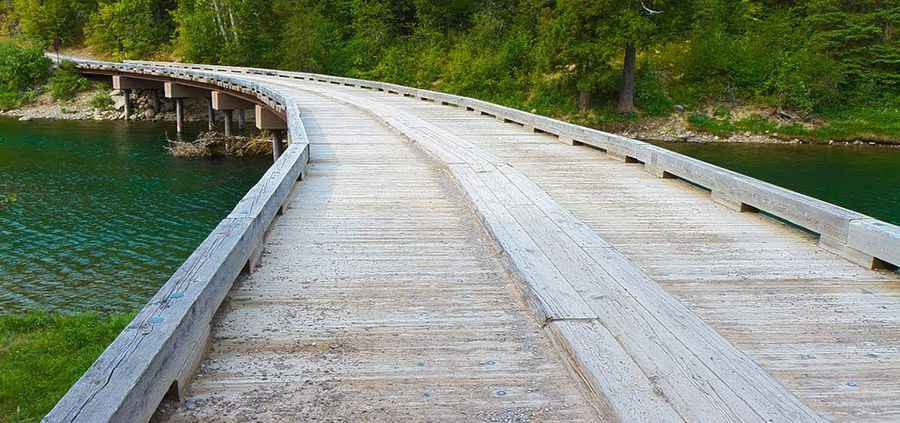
(650, 93)
(22, 68)
(805, 81)
(66, 82)
(102, 101)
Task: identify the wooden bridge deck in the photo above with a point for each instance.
(439, 264)
(379, 298)
(829, 330)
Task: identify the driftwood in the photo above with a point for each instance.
(216, 144)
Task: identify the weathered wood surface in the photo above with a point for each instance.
(826, 328)
(379, 298)
(665, 302)
(573, 275)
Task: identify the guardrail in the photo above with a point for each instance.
(159, 350)
(859, 238)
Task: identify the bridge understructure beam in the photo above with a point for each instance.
(228, 104)
(180, 92)
(266, 120)
(128, 84)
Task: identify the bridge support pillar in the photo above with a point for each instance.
(155, 101)
(228, 123)
(241, 120)
(277, 148)
(127, 94)
(210, 114)
(179, 114)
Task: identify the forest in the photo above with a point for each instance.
(599, 62)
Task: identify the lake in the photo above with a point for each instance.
(102, 214)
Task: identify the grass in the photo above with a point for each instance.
(42, 355)
(862, 124)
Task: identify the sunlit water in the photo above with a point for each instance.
(102, 215)
(861, 178)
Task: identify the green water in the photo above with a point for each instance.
(861, 178)
(103, 216)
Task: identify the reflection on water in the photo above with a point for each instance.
(861, 178)
(102, 215)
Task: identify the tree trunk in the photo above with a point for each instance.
(584, 100)
(626, 96)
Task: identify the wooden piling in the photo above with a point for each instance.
(228, 114)
(179, 114)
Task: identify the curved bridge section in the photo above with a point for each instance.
(450, 259)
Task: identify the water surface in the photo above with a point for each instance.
(861, 178)
(103, 216)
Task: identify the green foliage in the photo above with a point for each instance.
(236, 32)
(66, 82)
(22, 70)
(865, 124)
(130, 28)
(53, 23)
(42, 354)
(102, 101)
(810, 56)
(862, 36)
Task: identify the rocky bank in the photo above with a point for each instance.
(81, 108)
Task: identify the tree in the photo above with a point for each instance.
(235, 32)
(53, 23)
(130, 28)
(312, 39)
(583, 37)
(862, 35)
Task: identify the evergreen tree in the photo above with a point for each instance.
(862, 35)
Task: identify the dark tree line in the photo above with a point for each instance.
(573, 55)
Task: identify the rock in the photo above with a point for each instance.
(679, 108)
(118, 102)
(149, 114)
(24, 119)
(115, 93)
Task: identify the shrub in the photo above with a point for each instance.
(102, 101)
(66, 82)
(22, 68)
(651, 94)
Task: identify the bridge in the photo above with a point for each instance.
(419, 256)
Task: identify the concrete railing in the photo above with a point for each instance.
(855, 236)
(157, 353)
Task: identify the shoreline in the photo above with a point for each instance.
(671, 129)
(80, 108)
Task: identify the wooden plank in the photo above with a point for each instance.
(701, 374)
